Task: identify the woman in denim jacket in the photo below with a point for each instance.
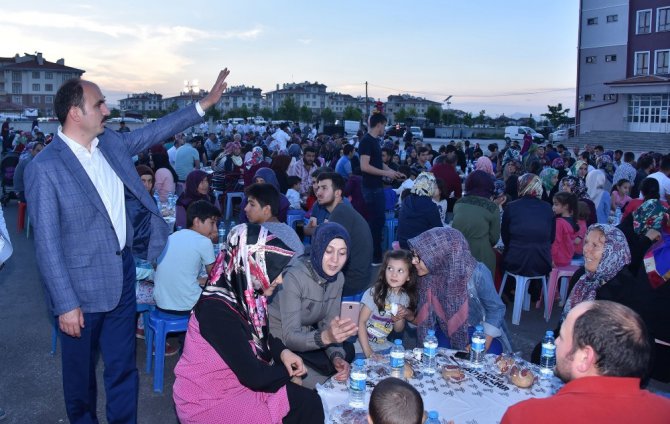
(456, 291)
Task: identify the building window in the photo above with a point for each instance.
(17, 88)
(641, 63)
(589, 97)
(16, 75)
(590, 59)
(36, 87)
(610, 58)
(48, 87)
(36, 74)
(643, 21)
(609, 97)
(663, 19)
(48, 75)
(662, 58)
(17, 99)
(612, 18)
(592, 21)
(48, 99)
(36, 99)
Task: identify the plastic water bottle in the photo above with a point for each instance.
(429, 352)
(157, 200)
(357, 380)
(398, 359)
(477, 347)
(433, 418)
(617, 216)
(548, 355)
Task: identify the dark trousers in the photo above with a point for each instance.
(374, 204)
(319, 361)
(113, 335)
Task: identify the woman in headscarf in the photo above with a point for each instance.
(197, 188)
(484, 164)
(579, 170)
(418, 212)
(232, 369)
(576, 186)
(227, 167)
(165, 175)
(456, 291)
(280, 165)
(528, 231)
(549, 178)
(531, 157)
(605, 164)
(511, 175)
(305, 312)
(595, 186)
(478, 217)
(267, 175)
(254, 163)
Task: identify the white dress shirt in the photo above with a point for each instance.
(108, 185)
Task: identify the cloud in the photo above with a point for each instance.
(304, 41)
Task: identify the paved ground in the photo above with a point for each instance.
(30, 382)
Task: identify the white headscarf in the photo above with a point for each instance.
(595, 185)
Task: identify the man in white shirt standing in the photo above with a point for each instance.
(663, 178)
(280, 138)
(75, 189)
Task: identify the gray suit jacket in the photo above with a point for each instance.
(77, 250)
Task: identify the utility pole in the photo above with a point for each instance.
(367, 107)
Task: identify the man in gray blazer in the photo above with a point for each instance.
(75, 190)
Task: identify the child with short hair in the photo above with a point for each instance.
(389, 303)
(394, 401)
(293, 193)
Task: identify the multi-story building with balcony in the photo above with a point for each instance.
(182, 100)
(406, 102)
(623, 76)
(311, 95)
(239, 96)
(142, 102)
(31, 82)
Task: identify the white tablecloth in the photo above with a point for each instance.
(482, 398)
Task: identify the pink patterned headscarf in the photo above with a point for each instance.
(443, 293)
(484, 164)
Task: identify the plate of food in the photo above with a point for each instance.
(453, 373)
(522, 376)
(345, 414)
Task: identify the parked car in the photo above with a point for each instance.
(416, 133)
(517, 133)
(558, 136)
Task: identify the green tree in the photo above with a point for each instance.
(266, 113)
(305, 114)
(212, 113)
(289, 110)
(255, 110)
(434, 114)
(352, 114)
(449, 117)
(481, 118)
(412, 113)
(114, 113)
(401, 115)
(328, 115)
(557, 115)
(467, 119)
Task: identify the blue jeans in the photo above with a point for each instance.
(374, 203)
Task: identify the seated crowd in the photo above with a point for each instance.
(265, 314)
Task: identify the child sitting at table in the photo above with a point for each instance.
(394, 401)
(389, 303)
(293, 193)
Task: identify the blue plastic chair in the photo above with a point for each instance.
(161, 324)
(145, 309)
(293, 217)
(229, 202)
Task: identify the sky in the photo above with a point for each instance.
(511, 57)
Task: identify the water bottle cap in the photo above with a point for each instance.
(433, 415)
(398, 342)
(359, 362)
(549, 333)
(431, 332)
(480, 328)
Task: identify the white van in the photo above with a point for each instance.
(517, 133)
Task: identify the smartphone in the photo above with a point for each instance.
(350, 310)
(462, 355)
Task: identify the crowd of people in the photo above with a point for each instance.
(265, 312)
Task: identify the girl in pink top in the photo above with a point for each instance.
(620, 195)
(563, 247)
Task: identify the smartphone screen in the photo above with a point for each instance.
(462, 355)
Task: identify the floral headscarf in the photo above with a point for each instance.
(558, 163)
(649, 216)
(252, 260)
(255, 158)
(231, 146)
(547, 176)
(530, 185)
(443, 292)
(484, 164)
(575, 168)
(604, 163)
(511, 154)
(424, 185)
(616, 255)
(576, 186)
